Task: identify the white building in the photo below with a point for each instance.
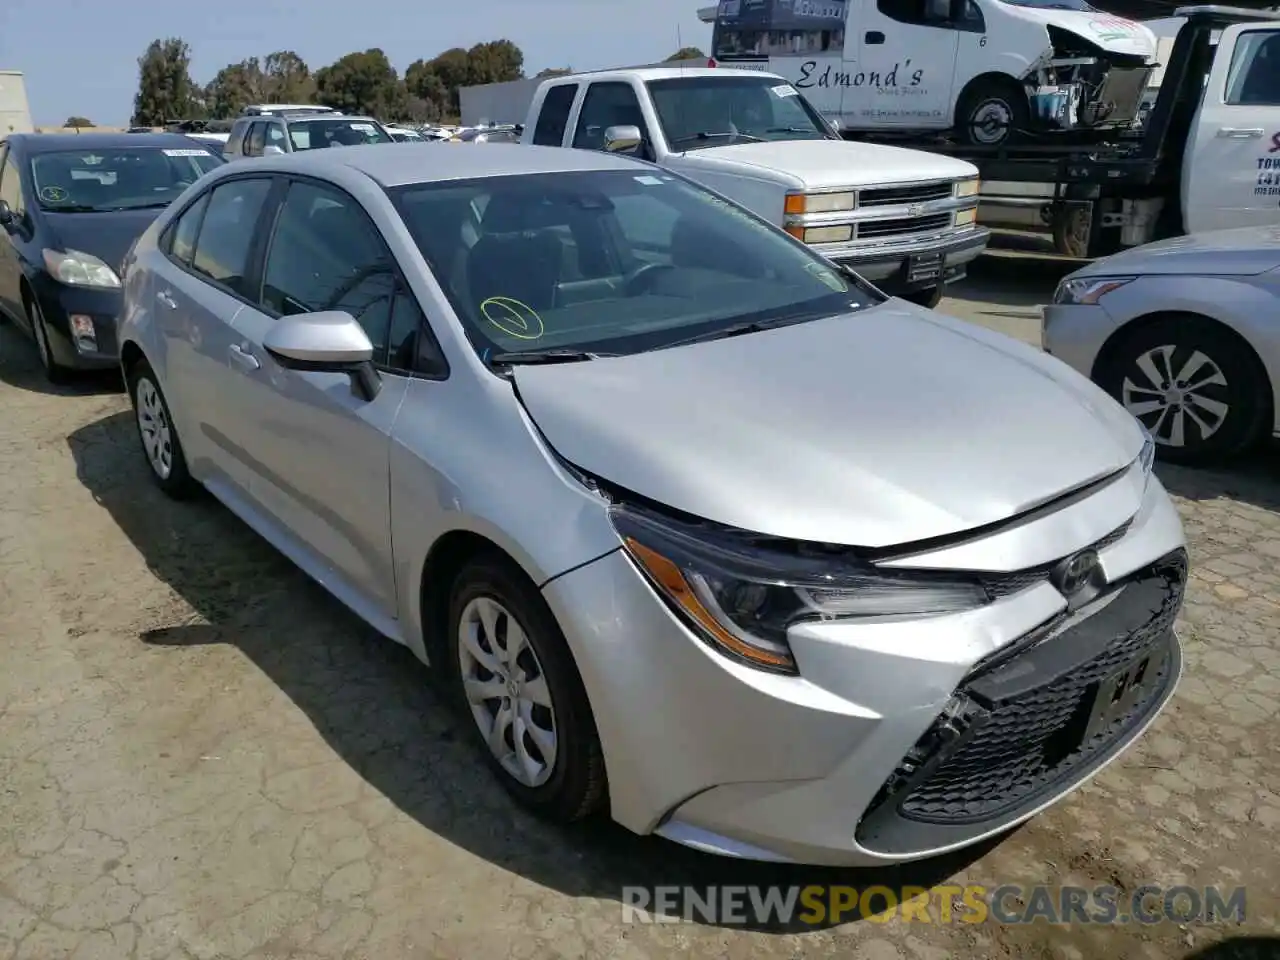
(15, 113)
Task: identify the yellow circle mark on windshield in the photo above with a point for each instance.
(827, 276)
(512, 317)
(53, 194)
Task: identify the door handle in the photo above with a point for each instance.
(243, 359)
(165, 297)
(873, 36)
(1240, 133)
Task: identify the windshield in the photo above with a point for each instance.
(83, 181)
(712, 111)
(611, 262)
(1054, 5)
(312, 134)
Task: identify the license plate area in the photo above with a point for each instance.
(924, 267)
(1124, 689)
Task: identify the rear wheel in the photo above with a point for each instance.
(1196, 386)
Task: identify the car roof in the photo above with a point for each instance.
(316, 117)
(36, 143)
(397, 164)
(663, 73)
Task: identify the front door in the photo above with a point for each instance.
(318, 451)
(905, 69)
(1231, 174)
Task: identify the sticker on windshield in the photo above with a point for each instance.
(648, 181)
(363, 127)
(186, 153)
(784, 90)
(513, 317)
(91, 160)
(52, 194)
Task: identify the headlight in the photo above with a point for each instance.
(800, 203)
(78, 269)
(741, 593)
(1085, 290)
(968, 188)
(1148, 455)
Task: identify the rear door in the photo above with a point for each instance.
(1231, 175)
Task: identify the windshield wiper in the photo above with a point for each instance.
(545, 356)
(792, 130)
(76, 208)
(138, 206)
(715, 136)
(751, 326)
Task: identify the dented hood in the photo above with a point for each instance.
(880, 427)
(1112, 33)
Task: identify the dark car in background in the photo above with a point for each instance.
(70, 208)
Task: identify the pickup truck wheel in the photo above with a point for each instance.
(1071, 229)
(930, 297)
(1195, 385)
(992, 112)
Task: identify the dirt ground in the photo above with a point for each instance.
(202, 755)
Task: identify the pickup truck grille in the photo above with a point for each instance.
(870, 229)
(913, 193)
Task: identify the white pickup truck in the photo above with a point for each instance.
(903, 219)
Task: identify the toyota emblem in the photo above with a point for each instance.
(1075, 573)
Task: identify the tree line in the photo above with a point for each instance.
(361, 82)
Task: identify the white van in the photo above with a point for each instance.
(987, 68)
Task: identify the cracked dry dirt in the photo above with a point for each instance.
(202, 755)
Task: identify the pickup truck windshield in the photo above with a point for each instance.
(96, 181)
(313, 133)
(611, 262)
(705, 111)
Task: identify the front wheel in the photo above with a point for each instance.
(158, 435)
(991, 113)
(517, 680)
(1196, 386)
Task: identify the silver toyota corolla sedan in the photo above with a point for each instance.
(1185, 333)
(704, 531)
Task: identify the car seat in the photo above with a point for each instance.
(516, 256)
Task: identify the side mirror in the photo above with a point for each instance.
(7, 219)
(622, 139)
(271, 150)
(330, 341)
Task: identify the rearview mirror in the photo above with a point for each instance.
(622, 139)
(271, 150)
(6, 215)
(331, 341)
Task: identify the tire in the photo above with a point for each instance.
(160, 444)
(54, 372)
(929, 297)
(986, 102)
(490, 595)
(1071, 231)
(1229, 411)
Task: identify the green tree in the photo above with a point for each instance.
(288, 78)
(165, 89)
(453, 69)
(363, 83)
(234, 87)
(428, 95)
(78, 122)
(687, 53)
(496, 61)
(553, 72)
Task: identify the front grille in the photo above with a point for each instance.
(1001, 585)
(913, 193)
(903, 225)
(1018, 733)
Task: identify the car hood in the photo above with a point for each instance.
(875, 428)
(823, 164)
(1239, 252)
(1111, 33)
(107, 236)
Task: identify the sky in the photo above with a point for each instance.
(80, 56)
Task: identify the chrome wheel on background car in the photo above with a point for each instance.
(1195, 386)
(507, 690)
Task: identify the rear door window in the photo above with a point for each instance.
(226, 235)
(553, 118)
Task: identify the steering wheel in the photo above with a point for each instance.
(641, 278)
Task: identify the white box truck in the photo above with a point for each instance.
(15, 112)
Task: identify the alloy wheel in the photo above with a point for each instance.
(507, 691)
(153, 426)
(991, 122)
(1178, 401)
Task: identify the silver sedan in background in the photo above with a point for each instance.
(703, 530)
(1185, 333)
